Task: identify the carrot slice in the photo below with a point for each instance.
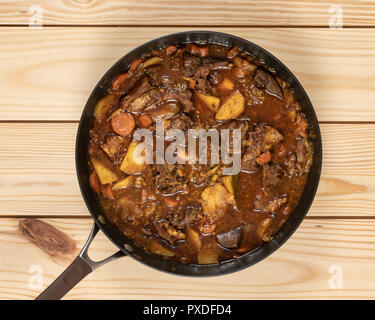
(170, 202)
(108, 192)
(170, 49)
(119, 80)
(144, 195)
(94, 182)
(203, 51)
(123, 123)
(135, 64)
(145, 121)
(264, 158)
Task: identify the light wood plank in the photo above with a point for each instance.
(298, 270)
(38, 170)
(48, 74)
(194, 12)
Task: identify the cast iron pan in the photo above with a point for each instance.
(83, 265)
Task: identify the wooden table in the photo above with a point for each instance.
(47, 73)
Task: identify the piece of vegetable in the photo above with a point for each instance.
(264, 229)
(145, 121)
(214, 201)
(144, 195)
(133, 162)
(151, 62)
(135, 64)
(231, 183)
(94, 182)
(194, 238)
(119, 80)
(227, 180)
(232, 108)
(104, 170)
(124, 183)
(207, 256)
(198, 50)
(170, 49)
(108, 192)
(230, 239)
(157, 248)
(123, 123)
(170, 202)
(263, 158)
(226, 85)
(211, 102)
(103, 106)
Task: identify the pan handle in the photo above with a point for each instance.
(79, 269)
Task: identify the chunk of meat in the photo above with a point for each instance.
(265, 80)
(131, 210)
(112, 146)
(261, 140)
(181, 122)
(138, 104)
(276, 203)
(164, 110)
(301, 125)
(168, 179)
(272, 174)
(187, 214)
(230, 239)
(184, 97)
(123, 123)
(167, 232)
(190, 63)
(271, 136)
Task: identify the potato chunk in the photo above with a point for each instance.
(214, 201)
(194, 238)
(232, 108)
(133, 162)
(207, 256)
(157, 248)
(210, 102)
(226, 85)
(152, 61)
(104, 172)
(124, 183)
(103, 106)
(231, 184)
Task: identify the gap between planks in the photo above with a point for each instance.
(199, 27)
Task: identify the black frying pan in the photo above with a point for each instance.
(83, 265)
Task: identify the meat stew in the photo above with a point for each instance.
(194, 213)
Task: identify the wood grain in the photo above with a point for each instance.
(38, 171)
(48, 74)
(193, 12)
(299, 270)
